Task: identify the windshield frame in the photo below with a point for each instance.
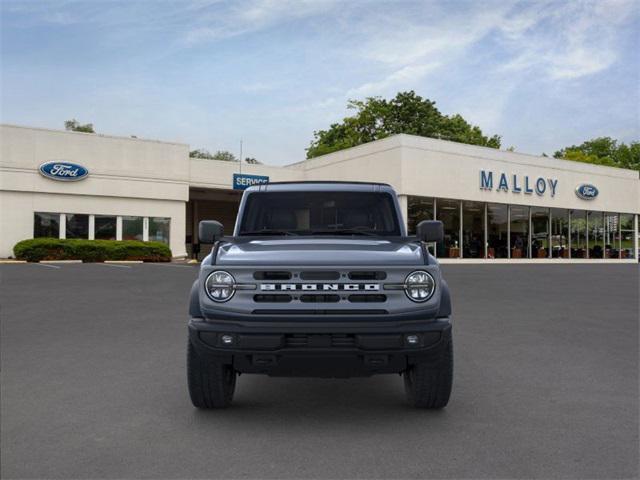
(394, 215)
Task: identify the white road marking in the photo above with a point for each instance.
(160, 264)
(46, 265)
(112, 265)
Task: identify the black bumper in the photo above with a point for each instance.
(344, 349)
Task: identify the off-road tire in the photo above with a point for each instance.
(211, 384)
(428, 384)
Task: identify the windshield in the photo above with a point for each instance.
(320, 213)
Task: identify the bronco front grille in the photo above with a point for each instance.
(330, 291)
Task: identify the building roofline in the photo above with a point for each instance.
(118, 137)
(470, 150)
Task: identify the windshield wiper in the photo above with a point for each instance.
(268, 231)
(345, 231)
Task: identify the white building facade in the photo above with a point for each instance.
(496, 206)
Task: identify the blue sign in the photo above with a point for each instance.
(518, 183)
(63, 171)
(242, 181)
(586, 191)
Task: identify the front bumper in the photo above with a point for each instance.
(343, 349)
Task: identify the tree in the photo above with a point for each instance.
(219, 155)
(252, 161)
(377, 118)
(225, 156)
(604, 151)
(75, 126)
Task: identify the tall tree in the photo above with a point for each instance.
(74, 126)
(377, 118)
(604, 151)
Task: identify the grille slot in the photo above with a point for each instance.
(359, 298)
(319, 298)
(320, 275)
(266, 298)
(367, 275)
(320, 341)
(272, 275)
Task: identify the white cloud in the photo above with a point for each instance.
(564, 41)
(405, 77)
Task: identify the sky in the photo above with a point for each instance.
(542, 74)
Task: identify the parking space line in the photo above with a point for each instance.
(113, 265)
(46, 265)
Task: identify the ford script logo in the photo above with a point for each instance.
(586, 191)
(64, 171)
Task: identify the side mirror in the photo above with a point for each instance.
(209, 231)
(430, 231)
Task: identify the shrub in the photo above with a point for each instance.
(37, 249)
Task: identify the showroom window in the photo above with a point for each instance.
(418, 209)
(159, 229)
(77, 226)
(473, 241)
(132, 228)
(539, 232)
(578, 234)
(595, 236)
(519, 231)
(626, 236)
(611, 233)
(46, 225)
(560, 233)
(448, 212)
(105, 227)
(497, 231)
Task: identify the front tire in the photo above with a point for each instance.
(211, 384)
(428, 384)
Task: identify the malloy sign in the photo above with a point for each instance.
(515, 183)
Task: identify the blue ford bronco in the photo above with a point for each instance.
(320, 279)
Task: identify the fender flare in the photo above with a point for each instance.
(445, 301)
(194, 302)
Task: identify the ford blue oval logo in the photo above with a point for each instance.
(586, 191)
(64, 171)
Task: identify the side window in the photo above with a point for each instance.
(159, 229)
(46, 225)
(105, 227)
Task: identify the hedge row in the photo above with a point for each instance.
(37, 249)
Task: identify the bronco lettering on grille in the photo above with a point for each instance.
(370, 287)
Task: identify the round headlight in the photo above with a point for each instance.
(220, 286)
(419, 286)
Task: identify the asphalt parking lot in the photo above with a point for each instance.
(93, 385)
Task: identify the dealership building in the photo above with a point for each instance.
(496, 206)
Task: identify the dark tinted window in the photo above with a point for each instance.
(46, 225)
(105, 227)
(77, 226)
(320, 213)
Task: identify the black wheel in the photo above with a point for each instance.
(428, 384)
(211, 384)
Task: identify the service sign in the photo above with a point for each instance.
(242, 181)
(586, 191)
(63, 171)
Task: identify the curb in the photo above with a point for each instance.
(60, 261)
(8, 262)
